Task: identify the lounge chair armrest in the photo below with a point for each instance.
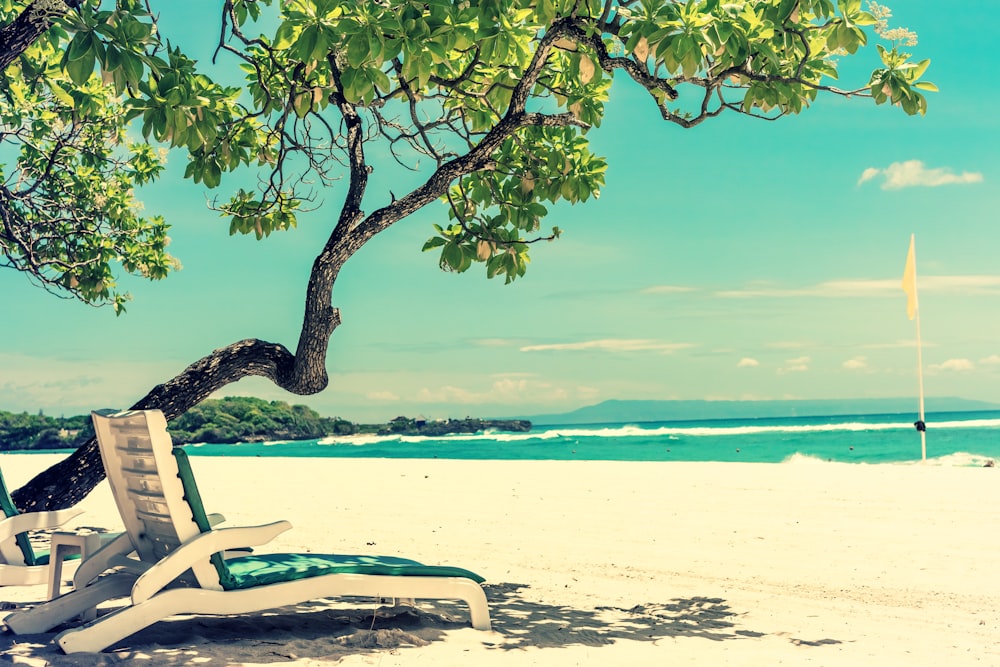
(102, 560)
(201, 547)
(22, 523)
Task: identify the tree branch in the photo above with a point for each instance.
(29, 25)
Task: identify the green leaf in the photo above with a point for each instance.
(356, 85)
(112, 58)
(306, 43)
(381, 80)
(545, 11)
(82, 68)
(451, 256)
(285, 36)
(919, 69)
(132, 67)
(212, 175)
(785, 9)
(358, 49)
(81, 45)
(60, 94)
(303, 104)
(433, 242)
(437, 50)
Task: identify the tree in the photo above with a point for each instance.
(497, 96)
(68, 209)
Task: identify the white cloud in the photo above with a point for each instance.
(960, 284)
(611, 345)
(747, 362)
(868, 174)
(797, 365)
(830, 289)
(992, 360)
(507, 389)
(76, 386)
(449, 394)
(857, 363)
(913, 173)
(956, 365)
(510, 387)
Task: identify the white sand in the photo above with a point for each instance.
(594, 563)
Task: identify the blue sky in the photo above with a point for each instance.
(737, 260)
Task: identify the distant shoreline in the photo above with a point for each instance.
(236, 420)
(251, 420)
(954, 439)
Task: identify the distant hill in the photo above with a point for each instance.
(650, 411)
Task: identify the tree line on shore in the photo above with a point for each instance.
(234, 419)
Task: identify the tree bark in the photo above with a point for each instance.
(30, 24)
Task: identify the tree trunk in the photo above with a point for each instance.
(69, 481)
(303, 373)
(30, 24)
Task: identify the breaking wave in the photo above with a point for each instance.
(634, 431)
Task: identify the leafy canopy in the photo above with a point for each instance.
(68, 168)
(493, 99)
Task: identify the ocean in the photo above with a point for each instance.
(953, 439)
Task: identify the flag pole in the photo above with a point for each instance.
(913, 310)
(921, 426)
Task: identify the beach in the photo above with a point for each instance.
(601, 563)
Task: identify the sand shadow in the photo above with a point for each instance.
(316, 630)
(530, 623)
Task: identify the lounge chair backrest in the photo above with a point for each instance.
(145, 481)
(17, 550)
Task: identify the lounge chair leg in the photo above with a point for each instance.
(61, 545)
(48, 615)
(112, 628)
(97, 636)
(479, 611)
(397, 602)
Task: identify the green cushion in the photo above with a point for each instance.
(9, 510)
(258, 570)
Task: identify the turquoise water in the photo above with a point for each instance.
(958, 438)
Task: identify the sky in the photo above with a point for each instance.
(739, 260)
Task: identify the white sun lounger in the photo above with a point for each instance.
(181, 568)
